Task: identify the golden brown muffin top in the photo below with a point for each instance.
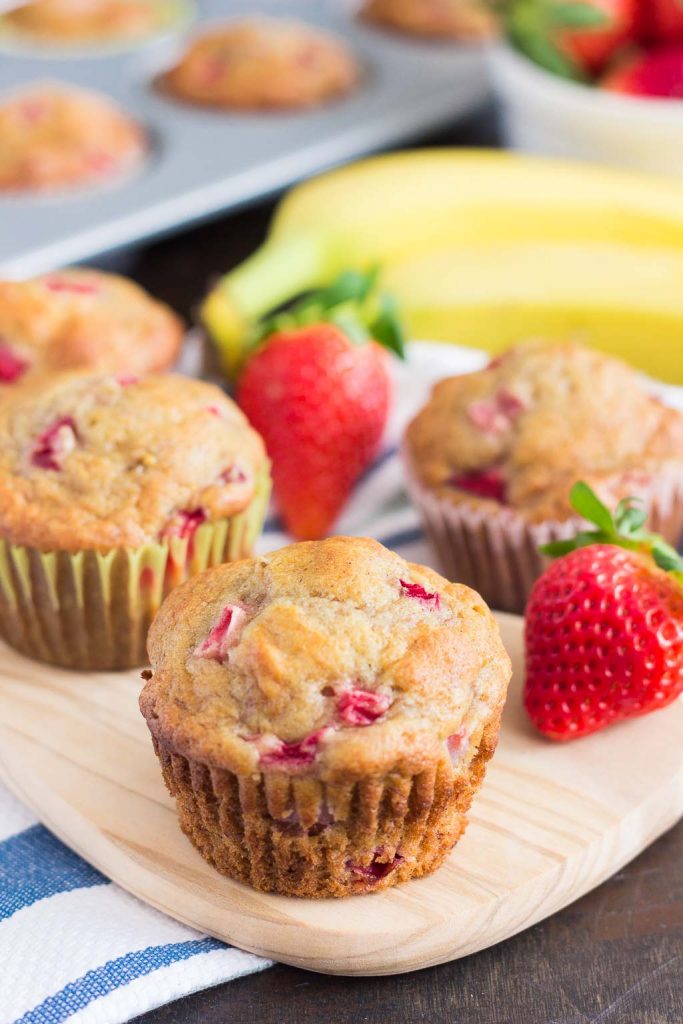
(54, 136)
(77, 21)
(94, 461)
(447, 19)
(333, 656)
(77, 318)
(262, 63)
(539, 417)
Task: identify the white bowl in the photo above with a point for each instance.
(543, 113)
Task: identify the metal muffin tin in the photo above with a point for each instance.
(204, 161)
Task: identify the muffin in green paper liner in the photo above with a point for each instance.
(113, 490)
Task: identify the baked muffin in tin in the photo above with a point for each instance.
(114, 489)
(262, 64)
(323, 715)
(54, 137)
(435, 19)
(79, 22)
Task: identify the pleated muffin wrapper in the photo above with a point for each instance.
(495, 550)
(298, 834)
(92, 610)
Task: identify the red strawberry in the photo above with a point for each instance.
(663, 19)
(656, 72)
(591, 45)
(604, 626)
(320, 401)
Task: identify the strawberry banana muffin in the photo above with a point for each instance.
(447, 19)
(324, 715)
(113, 490)
(492, 457)
(87, 21)
(56, 137)
(78, 318)
(263, 63)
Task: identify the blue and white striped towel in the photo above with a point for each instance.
(75, 947)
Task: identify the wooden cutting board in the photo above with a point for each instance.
(550, 822)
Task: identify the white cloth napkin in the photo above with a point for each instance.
(74, 946)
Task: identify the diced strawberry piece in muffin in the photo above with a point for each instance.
(12, 365)
(223, 635)
(362, 707)
(184, 524)
(376, 870)
(497, 414)
(419, 593)
(275, 753)
(234, 475)
(126, 380)
(66, 284)
(457, 745)
(487, 483)
(54, 444)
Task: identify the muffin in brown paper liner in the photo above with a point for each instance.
(492, 456)
(495, 550)
(300, 836)
(92, 610)
(322, 741)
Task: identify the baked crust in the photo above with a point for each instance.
(276, 784)
(262, 63)
(55, 136)
(76, 21)
(542, 416)
(97, 461)
(77, 318)
(447, 19)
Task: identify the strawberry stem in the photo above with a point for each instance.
(353, 302)
(625, 529)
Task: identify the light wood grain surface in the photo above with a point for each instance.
(550, 822)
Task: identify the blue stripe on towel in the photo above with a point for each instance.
(115, 974)
(402, 538)
(34, 865)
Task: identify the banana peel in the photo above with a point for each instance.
(406, 211)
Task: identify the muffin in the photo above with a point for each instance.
(438, 19)
(491, 459)
(263, 63)
(114, 489)
(83, 318)
(88, 21)
(53, 136)
(324, 715)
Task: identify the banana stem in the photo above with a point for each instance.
(280, 269)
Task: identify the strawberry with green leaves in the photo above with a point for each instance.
(572, 38)
(318, 389)
(657, 73)
(604, 624)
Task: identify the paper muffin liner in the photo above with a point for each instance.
(92, 610)
(297, 835)
(496, 551)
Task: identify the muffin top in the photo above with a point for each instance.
(53, 136)
(450, 19)
(78, 318)
(332, 656)
(539, 417)
(79, 21)
(94, 461)
(262, 63)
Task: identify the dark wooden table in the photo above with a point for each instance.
(614, 957)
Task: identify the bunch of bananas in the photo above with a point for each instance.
(480, 248)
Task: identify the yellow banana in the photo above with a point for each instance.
(625, 299)
(395, 208)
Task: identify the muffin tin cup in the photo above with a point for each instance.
(496, 551)
(297, 835)
(92, 610)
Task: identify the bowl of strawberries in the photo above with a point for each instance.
(596, 80)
